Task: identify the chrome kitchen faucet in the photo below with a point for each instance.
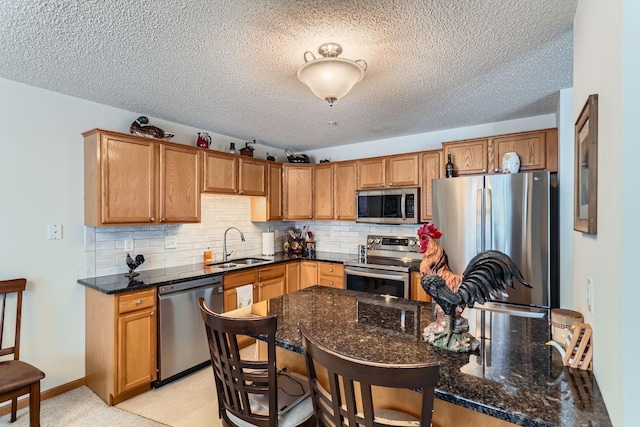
(225, 255)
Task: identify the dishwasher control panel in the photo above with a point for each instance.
(190, 284)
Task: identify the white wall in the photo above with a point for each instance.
(41, 182)
(430, 140)
(606, 63)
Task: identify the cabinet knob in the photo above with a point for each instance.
(139, 302)
(338, 217)
(331, 270)
(261, 285)
(241, 191)
(254, 286)
(163, 219)
(391, 184)
(152, 219)
(152, 313)
(484, 171)
(235, 191)
(382, 185)
(497, 170)
(310, 216)
(330, 282)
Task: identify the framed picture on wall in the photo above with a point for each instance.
(585, 206)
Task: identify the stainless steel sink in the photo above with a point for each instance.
(249, 261)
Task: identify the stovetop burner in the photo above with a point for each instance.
(397, 253)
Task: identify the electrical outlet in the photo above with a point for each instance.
(128, 245)
(590, 294)
(54, 231)
(170, 242)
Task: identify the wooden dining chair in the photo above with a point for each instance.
(253, 393)
(17, 378)
(349, 401)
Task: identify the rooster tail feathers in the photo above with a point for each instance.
(501, 265)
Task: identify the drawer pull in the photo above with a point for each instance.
(331, 270)
(138, 302)
(152, 313)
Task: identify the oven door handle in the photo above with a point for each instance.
(369, 273)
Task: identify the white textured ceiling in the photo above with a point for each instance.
(229, 66)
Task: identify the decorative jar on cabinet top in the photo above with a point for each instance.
(510, 162)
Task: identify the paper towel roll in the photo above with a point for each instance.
(268, 243)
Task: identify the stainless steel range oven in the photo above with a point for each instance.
(384, 267)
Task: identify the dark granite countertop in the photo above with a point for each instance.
(513, 376)
(118, 283)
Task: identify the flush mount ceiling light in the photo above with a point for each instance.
(330, 77)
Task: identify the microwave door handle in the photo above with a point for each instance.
(403, 207)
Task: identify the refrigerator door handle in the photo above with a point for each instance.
(479, 219)
(488, 223)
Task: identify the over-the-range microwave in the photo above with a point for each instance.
(388, 206)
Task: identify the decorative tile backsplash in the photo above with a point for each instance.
(105, 246)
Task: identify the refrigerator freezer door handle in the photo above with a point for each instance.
(479, 211)
(488, 224)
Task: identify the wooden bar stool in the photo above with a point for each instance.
(349, 400)
(17, 378)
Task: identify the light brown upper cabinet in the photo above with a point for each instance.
(136, 180)
(344, 194)
(298, 191)
(537, 150)
(469, 157)
(430, 162)
(226, 173)
(269, 208)
(390, 171)
(323, 186)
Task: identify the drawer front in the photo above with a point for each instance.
(330, 269)
(136, 301)
(331, 281)
(273, 272)
(233, 280)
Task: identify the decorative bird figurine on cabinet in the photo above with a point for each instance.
(486, 277)
(133, 264)
(142, 127)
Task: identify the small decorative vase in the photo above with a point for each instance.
(510, 162)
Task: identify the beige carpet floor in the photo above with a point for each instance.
(80, 407)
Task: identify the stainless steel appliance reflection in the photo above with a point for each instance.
(385, 267)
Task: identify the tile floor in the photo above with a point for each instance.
(189, 401)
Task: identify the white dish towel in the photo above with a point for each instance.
(245, 295)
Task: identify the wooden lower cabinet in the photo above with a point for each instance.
(308, 273)
(120, 343)
(331, 274)
(271, 282)
(416, 292)
(292, 274)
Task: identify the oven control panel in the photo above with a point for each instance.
(393, 243)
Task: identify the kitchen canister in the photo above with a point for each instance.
(510, 162)
(561, 321)
(268, 243)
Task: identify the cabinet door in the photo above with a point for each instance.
(323, 191)
(293, 276)
(179, 184)
(371, 173)
(298, 192)
(417, 292)
(530, 147)
(403, 171)
(220, 173)
(128, 180)
(468, 157)
(430, 164)
(308, 274)
(253, 176)
(136, 350)
(344, 195)
(274, 192)
(271, 288)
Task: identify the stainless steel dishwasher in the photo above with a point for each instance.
(182, 339)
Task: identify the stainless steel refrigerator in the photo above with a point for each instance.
(512, 213)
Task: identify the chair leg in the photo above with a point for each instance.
(14, 408)
(34, 405)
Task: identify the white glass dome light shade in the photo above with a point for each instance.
(331, 78)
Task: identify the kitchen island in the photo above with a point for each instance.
(513, 377)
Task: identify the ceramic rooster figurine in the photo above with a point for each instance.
(133, 264)
(486, 277)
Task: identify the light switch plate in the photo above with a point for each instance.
(128, 245)
(170, 242)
